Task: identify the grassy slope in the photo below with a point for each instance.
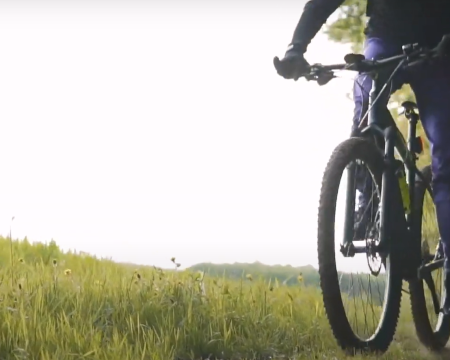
(66, 306)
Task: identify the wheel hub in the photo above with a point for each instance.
(374, 258)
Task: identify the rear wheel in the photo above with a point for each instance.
(432, 327)
(362, 293)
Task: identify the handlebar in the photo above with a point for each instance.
(412, 55)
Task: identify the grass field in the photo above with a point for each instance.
(69, 306)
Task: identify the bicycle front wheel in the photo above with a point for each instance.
(361, 287)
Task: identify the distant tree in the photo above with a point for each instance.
(349, 26)
(287, 275)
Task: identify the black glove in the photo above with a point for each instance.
(293, 65)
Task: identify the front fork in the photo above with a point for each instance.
(393, 224)
(390, 203)
(347, 247)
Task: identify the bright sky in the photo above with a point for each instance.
(145, 130)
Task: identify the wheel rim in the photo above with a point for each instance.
(431, 247)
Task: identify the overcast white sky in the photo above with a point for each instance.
(145, 130)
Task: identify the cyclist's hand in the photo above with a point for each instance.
(292, 66)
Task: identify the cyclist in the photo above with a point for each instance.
(393, 23)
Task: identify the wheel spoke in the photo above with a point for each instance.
(362, 311)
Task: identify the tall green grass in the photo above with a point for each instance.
(67, 306)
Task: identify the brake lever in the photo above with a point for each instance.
(325, 78)
(320, 76)
(313, 73)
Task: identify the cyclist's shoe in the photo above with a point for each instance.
(293, 65)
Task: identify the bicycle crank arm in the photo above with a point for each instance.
(429, 281)
(428, 268)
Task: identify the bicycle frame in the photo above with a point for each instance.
(396, 226)
(382, 128)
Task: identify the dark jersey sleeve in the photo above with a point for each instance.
(315, 14)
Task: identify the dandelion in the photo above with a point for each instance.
(67, 272)
(55, 263)
(249, 277)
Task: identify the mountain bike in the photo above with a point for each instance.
(395, 245)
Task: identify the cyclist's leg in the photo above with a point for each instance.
(432, 89)
(375, 48)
